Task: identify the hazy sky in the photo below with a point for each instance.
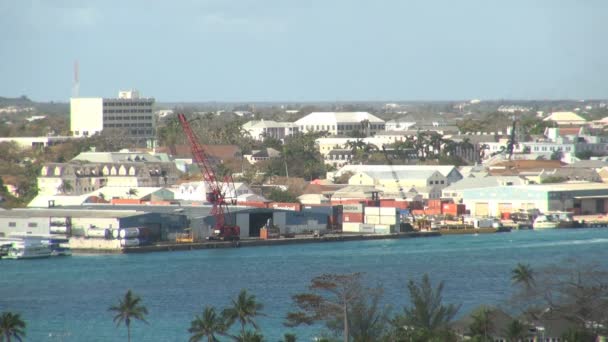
(306, 50)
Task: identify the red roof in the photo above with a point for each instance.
(569, 131)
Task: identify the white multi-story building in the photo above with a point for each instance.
(128, 114)
(341, 123)
(259, 129)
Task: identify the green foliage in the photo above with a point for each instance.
(553, 179)
(207, 326)
(301, 157)
(129, 307)
(523, 274)
(344, 177)
(515, 331)
(481, 329)
(584, 155)
(426, 318)
(11, 325)
(243, 309)
(278, 195)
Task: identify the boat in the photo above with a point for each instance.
(59, 246)
(545, 222)
(28, 250)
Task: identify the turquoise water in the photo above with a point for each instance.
(67, 298)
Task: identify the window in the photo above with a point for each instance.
(442, 182)
(32, 224)
(12, 224)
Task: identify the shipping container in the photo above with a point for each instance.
(351, 227)
(285, 206)
(393, 219)
(382, 229)
(372, 219)
(125, 201)
(367, 228)
(353, 208)
(388, 211)
(372, 211)
(352, 217)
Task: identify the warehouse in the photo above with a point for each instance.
(77, 221)
(252, 220)
(580, 198)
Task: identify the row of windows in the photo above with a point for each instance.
(111, 118)
(340, 127)
(436, 182)
(127, 125)
(108, 111)
(128, 103)
(29, 224)
(141, 132)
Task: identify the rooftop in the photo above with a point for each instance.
(319, 117)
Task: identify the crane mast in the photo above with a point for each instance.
(215, 190)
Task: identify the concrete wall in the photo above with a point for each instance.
(24, 225)
(86, 115)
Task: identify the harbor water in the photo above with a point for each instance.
(67, 299)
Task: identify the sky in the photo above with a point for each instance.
(312, 50)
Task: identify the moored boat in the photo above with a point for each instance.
(27, 250)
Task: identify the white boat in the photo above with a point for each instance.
(545, 222)
(24, 250)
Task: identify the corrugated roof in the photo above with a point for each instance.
(443, 169)
(403, 175)
(80, 212)
(484, 182)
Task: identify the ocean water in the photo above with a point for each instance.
(67, 299)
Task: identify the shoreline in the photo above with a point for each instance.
(170, 247)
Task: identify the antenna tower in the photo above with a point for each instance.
(76, 86)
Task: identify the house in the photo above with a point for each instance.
(341, 123)
(259, 129)
(566, 118)
(262, 155)
(450, 172)
(399, 182)
(197, 191)
(338, 157)
(90, 171)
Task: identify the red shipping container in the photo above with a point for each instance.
(125, 201)
(352, 217)
(418, 212)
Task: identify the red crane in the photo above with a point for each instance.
(216, 189)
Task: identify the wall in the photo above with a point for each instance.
(86, 114)
(22, 225)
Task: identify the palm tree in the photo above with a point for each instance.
(207, 326)
(482, 326)
(129, 307)
(515, 331)
(249, 336)
(244, 308)
(523, 274)
(11, 325)
(132, 192)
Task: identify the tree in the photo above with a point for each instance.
(11, 325)
(132, 192)
(515, 331)
(278, 195)
(367, 319)
(65, 187)
(129, 307)
(329, 301)
(426, 318)
(523, 274)
(244, 309)
(249, 336)
(207, 326)
(481, 329)
(288, 337)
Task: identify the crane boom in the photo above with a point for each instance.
(215, 190)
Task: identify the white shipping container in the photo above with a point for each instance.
(351, 227)
(367, 228)
(388, 220)
(382, 229)
(372, 219)
(387, 211)
(129, 242)
(372, 211)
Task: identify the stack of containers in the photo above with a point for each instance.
(382, 218)
(352, 217)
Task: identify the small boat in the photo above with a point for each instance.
(545, 222)
(27, 250)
